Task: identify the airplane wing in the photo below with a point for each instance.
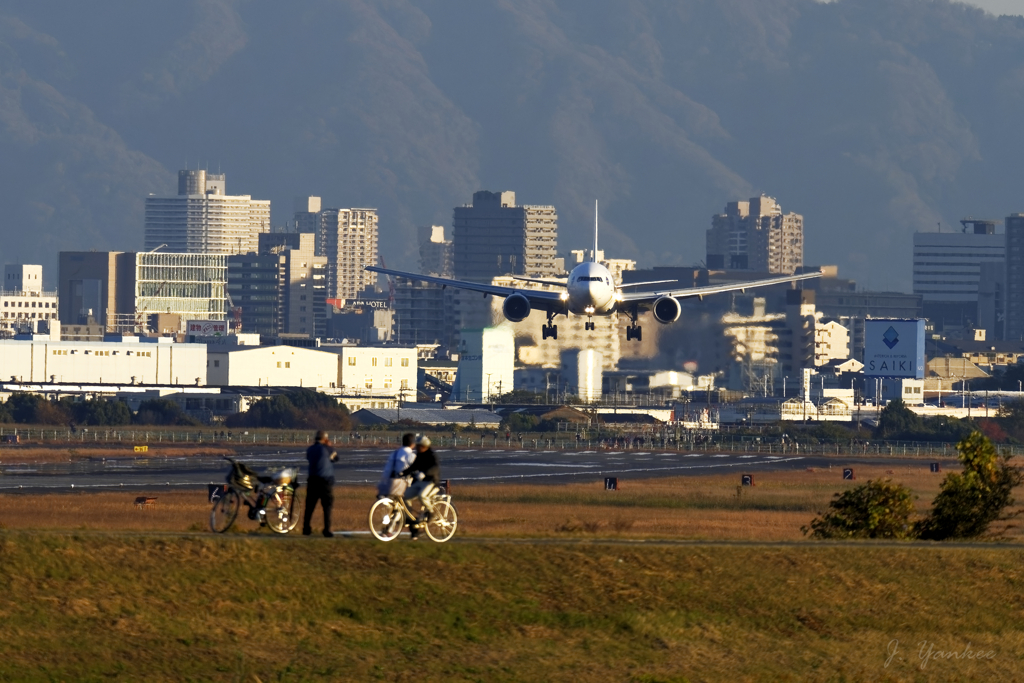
(540, 299)
(644, 298)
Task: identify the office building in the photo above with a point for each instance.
(948, 268)
(97, 285)
(348, 238)
(171, 289)
(436, 253)
(425, 312)
(307, 214)
(1014, 277)
(23, 301)
(256, 289)
(486, 365)
(203, 219)
(304, 282)
(282, 289)
(756, 235)
(494, 236)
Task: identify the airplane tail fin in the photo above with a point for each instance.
(595, 231)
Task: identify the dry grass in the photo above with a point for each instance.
(248, 609)
(62, 453)
(700, 507)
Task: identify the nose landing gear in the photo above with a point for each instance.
(590, 325)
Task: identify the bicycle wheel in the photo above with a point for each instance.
(386, 520)
(280, 514)
(441, 526)
(224, 512)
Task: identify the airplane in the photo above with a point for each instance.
(590, 290)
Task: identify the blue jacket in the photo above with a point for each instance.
(320, 461)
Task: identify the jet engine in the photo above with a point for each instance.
(666, 310)
(517, 307)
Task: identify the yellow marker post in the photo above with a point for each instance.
(142, 449)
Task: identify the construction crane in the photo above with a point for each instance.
(236, 313)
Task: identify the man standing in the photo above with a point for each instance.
(321, 456)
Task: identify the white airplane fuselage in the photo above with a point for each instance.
(591, 290)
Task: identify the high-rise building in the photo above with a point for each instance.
(494, 236)
(256, 287)
(948, 267)
(424, 312)
(283, 288)
(202, 219)
(307, 214)
(348, 238)
(436, 253)
(756, 235)
(305, 282)
(1015, 277)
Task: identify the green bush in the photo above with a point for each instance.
(98, 411)
(877, 509)
(25, 408)
(971, 500)
(301, 409)
(162, 411)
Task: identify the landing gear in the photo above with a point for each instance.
(590, 325)
(634, 331)
(549, 330)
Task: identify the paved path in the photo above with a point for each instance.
(363, 466)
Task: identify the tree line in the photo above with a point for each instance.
(301, 409)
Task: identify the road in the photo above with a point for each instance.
(363, 466)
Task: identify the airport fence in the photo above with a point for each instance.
(442, 438)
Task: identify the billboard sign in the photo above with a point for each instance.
(207, 328)
(894, 348)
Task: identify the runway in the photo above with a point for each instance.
(364, 466)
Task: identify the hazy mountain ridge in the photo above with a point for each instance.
(873, 118)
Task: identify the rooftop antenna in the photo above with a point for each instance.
(595, 231)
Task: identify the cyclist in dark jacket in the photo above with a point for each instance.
(428, 472)
(321, 456)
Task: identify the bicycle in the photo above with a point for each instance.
(270, 499)
(389, 516)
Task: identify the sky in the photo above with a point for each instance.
(998, 7)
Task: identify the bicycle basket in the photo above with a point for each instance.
(284, 477)
(242, 477)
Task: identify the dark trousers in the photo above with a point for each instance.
(318, 489)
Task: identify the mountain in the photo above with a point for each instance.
(872, 118)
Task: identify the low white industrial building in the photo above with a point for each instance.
(272, 366)
(132, 361)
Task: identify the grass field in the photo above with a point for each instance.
(703, 507)
(236, 608)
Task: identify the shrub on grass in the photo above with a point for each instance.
(877, 509)
(971, 500)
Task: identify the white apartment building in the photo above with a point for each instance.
(124, 362)
(202, 219)
(348, 238)
(22, 298)
(376, 370)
